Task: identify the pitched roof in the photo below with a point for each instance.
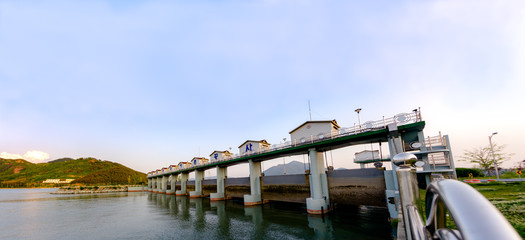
(262, 142)
(224, 152)
(334, 122)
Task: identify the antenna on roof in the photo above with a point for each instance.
(309, 110)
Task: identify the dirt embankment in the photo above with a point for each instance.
(90, 190)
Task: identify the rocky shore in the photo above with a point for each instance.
(91, 190)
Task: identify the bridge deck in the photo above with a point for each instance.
(335, 142)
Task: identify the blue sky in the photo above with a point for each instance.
(152, 83)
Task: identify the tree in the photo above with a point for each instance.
(482, 156)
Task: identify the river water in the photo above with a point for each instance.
(37, 214)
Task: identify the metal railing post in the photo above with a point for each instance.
(409, 194)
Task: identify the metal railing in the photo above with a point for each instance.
(399, 119)
(435, 141)
(438, 159)
(474, 216)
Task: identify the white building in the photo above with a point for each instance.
(184, 164)
(313, 130)
(366, 156)
(220, 155)
(198, 160)
(173, 168)
(58, 181)
(253, 146)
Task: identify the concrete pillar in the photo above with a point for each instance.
(395, 146)
(319, 201)
(220, 194)
(183, 181)
(172, 184)
(163, 184)
(156, 181)
(255, 185)
(150, 182)
(199, 177)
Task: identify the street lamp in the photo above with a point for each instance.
(284, 163)
(493, 157)
(358, 118)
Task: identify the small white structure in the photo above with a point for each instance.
(58, 181)
(220, 155)
(198, 160)
(366, 156)
(251, 146)
(184, 165)
(173, 168)
(313, 130)
(165, 170)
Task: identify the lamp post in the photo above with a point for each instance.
(493, 157)
(358, 118)
(284, 163)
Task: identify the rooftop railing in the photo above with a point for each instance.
(399, 119)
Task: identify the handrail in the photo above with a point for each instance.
(474, 216)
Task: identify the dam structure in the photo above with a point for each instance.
(320, 187)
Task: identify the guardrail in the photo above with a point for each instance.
(474, 216)
(399, 119)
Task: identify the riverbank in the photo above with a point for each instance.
(91, 189)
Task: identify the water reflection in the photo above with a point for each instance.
(322, 226)
(231, 220)
(33, 214)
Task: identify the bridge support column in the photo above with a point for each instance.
(255, 185)
(183, 181)
(220, 194)
(156, 185)
(319, 202)
(395, 146)
(199, 177)
(163, 184)
(172, 184)
(149, 184)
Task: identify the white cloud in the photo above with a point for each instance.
(31, 156)
(10, 155)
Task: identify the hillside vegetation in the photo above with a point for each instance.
(21, 173)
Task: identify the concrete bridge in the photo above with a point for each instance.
(321, 186)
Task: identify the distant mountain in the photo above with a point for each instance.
(294, 167)
(61, 160)
(21, 173)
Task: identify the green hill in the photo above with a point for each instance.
(21, 173)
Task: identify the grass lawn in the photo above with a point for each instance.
(509, 198)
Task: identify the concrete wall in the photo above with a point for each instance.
(237, 187)
(357, 187)
(346, 187)
(286, 188)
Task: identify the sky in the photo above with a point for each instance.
(152, 83)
